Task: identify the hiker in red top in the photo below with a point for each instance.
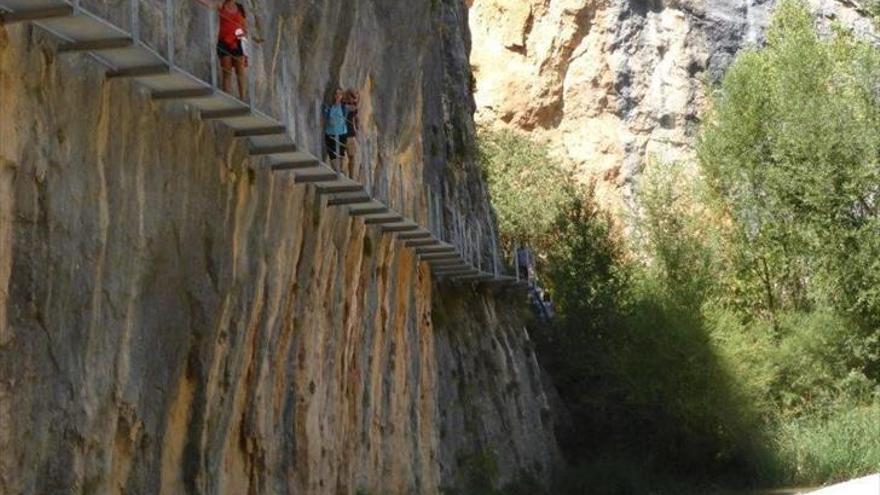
(231, 43)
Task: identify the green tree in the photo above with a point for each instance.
(792, 145)
(529, 188)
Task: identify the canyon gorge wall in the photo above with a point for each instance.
(175, 318)
(616, 85)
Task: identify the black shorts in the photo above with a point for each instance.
(224, 50)
(335, 145)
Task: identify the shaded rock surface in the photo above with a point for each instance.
(174, 318)
(615, 85)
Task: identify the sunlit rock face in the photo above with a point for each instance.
(174, 318)
(616, 85)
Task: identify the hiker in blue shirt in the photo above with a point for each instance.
(335, 129)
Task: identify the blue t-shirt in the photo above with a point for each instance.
(335, 121)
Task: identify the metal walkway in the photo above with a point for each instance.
(113, 36)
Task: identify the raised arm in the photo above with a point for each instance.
(211, 4)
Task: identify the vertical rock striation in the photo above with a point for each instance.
(174, 318)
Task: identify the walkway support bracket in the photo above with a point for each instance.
(312, 178)
(422, 243)
(297, 165)
(448, 264)
(182, 94)
(95, 45)
(261, 131)
(225, 114)
(457, 272)
(340, 189)
(474, 278)
(439, 257)
(400, 228)
(414, 236)
(142, 71)
(435, 250)
(273, 150)
(383, 220)
(349, 201)
(369, 211)
(7, 18)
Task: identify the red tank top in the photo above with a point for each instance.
(229, 23)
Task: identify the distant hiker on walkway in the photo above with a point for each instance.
(549, 307)
(526, 263)
(336, 129)
(351, 101)
(231, 42)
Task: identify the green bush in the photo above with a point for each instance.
(686, 241)
(529, 188)
(584, 265)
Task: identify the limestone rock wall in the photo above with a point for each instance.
(512, 428)
(615, 85)
(174, 318)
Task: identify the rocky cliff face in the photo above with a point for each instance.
(174, 318)
(613, 85)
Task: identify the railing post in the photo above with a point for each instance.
(169, 31)
(432, 219)
(493, 239)
(435, 220)
(432, 213)
(479, 246)
(516, 261)
(319, 116)
(251, 76)
(400, 191)
(473, 237)
(415, 206)
(367, 169)
(441, 218)
(468, 238)
(361, 163)
(134, 15)
(495, 267)
(251, 70)
(213, 27)
(423, 212)
(465, 249)
(456, 231)
(429, 222)
(287, 120)
(462, 233)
